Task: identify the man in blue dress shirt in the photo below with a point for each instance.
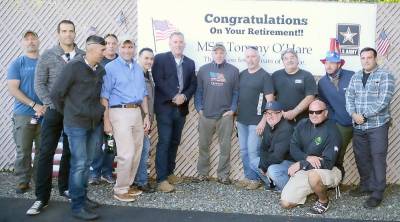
(123, 93)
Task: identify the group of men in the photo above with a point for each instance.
(82, 95)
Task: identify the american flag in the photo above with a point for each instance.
(163, 29)
(383, 44)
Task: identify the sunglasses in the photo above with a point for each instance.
(316, 112)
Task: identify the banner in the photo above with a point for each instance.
(269, 25)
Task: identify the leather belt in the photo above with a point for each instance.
(131, 105)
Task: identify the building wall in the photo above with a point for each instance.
(42, 16)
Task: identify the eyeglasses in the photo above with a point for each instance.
(316, 112)
(270, 113)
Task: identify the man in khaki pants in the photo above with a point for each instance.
(123, 93)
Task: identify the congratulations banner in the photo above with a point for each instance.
(270, 26)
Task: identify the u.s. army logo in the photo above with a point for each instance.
(349, 38)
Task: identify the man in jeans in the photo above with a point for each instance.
(255, 87)
(275, 159)
(27, 110)
(49, 67)
(77, 96)
(103, 161)
(216, 102)
(367, 101)
(146, 59)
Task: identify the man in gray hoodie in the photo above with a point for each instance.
(216, 101)
(48, 69)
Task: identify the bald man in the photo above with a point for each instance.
(315, 146)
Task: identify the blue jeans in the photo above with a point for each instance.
(83, 143)
(249, 143)
(170, 126)
(141, 175)
(102, 164)
(278, 173)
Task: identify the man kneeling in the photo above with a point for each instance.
(314, 145)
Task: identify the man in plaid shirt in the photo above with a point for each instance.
(367, 101)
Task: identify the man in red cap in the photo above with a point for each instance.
(331, 89)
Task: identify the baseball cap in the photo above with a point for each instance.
(273, 105)
(219, 45)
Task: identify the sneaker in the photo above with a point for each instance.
(372, 202)
(253, 185)
(83, 214)
(199, 179)
(65, 194)
(22, 188)
(134, 192)
(36, 208)
(242, 183)
(165, 187)
(358, 192)
(108, 179)
(174, 180)
(319, 208)
(124, 197)
(224, 181)
(94, 181)
(147, 188)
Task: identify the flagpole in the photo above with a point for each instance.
(154, 37)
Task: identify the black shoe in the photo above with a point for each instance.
(358, 192)
(91, 204)
(36, 208)
(224, 181)
(22, 188)
(372, 202)
(65, 194)
(147, 188)
(85, 215)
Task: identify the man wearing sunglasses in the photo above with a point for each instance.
(275, 159)
(315, 146)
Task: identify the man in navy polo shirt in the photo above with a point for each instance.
(331, 89)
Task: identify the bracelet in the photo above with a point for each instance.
(34, 105)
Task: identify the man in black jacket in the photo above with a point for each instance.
(274, 158)
(76, 94)
(315, 146)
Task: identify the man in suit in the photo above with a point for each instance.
(175, 83)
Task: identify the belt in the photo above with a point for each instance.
(131, 105)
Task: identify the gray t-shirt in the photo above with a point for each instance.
(252, 90)
(291, 89)
(217, 84)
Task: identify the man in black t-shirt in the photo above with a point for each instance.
(255, 87)
(295, 88)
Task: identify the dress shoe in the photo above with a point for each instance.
(372, 202)
(83, 214)
(146, 188)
